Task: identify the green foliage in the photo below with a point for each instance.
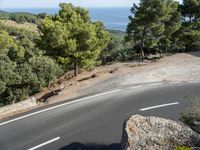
(45, 69)
(20, 17)
(183, 148)
(4, 15)
(72, 38)
(42, 15)
(20, 80)
(190, 10)
(24, 17)
(152, 22)
(23, 69)
(29, 59)
(190, 31)
(193, 112)
(117, 49)
(7, 76)
(6, 42)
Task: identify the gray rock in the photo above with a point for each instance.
(153, 133)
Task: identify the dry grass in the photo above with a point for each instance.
(26, 26)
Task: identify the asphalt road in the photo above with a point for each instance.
(96, 121)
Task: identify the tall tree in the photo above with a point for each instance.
(190, 31)
(171, 26)
(149, 20)
(72, 37)
(190, 10)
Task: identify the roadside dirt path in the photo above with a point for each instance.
(179, 67)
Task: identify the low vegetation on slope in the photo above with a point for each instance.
(29, 61)
(191, 116)
(24, 26)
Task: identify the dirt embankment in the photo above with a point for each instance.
(179, 67)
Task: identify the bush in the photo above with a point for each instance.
(8, 77)
(17, 81)
(183, 148)
(117, 49)
(45, 69)
(192, 115)
(23, 68)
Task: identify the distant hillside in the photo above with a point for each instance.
(4, 15)
(21, 17)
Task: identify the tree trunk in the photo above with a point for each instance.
(142, 44)
(75, 69)
(142, 48)
(187, 48)
(166, 49)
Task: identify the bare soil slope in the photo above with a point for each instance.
(179, 67)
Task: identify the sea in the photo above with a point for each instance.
(113, 18)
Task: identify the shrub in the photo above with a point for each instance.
(183, 148)
(192, 115)
(45, 69)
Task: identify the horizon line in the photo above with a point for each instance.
(59, 7)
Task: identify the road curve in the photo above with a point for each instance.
(96, 121)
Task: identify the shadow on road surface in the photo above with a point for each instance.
(91, 146)
(197, 54)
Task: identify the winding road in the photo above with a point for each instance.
(95, 121)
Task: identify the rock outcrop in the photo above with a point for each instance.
(153, 133)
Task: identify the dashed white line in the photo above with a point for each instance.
(136, 87)
(45, 143)
(68, 103)
(175, 82)
(155, 84)
(159, 106)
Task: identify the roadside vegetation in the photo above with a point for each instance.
(37, 49)
(183, 148)
(191, 116)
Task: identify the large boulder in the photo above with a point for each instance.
(153, 133)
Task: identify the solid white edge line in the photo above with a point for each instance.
(159, 106)
(45, 143)
(193, 82)
(67, 103)
(136, 87)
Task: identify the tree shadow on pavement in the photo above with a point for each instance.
(196, 54)
(91, 146)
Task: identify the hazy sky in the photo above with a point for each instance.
(54, 3)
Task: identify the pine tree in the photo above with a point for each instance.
(150, 20)
(72, 37)
(190, 31)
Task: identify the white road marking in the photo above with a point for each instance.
(136, 87)
(193, 82)
(67, 103)
(158, 106)
(45, 143)
(155, 84)
(175, 82)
